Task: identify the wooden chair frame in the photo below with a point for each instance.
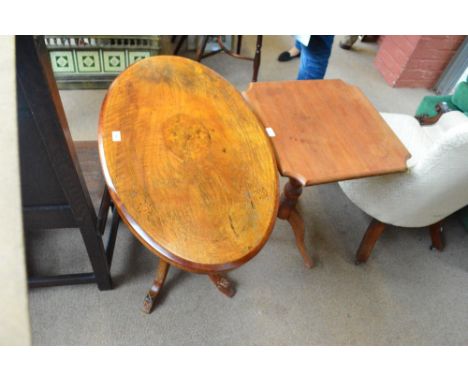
(201, 54)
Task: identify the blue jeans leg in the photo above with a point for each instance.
(312, 65)
(298, 45)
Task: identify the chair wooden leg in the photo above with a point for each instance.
(257, 58)
(239, 44)
(223, 284)
(436, 236)
(201, 49)
(371, 236)
(161, 274)
(179, 44)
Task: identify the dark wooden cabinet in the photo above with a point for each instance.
(54, 192)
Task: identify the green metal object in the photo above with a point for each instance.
(457, 101)
(428, 105)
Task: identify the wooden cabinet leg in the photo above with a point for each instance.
(287, 211)
(371, 236)
(223, 284)
(436, 236)
(103, 210)
(161, 274)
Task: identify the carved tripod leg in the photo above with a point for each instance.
(436, 236)
(371, 236)
(287, 211)
(161, 274)
(297, 225)
(223, 284)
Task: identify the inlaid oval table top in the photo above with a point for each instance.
(188, 164)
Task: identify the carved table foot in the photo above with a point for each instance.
(223, 284)
(150, 298)
(287, 211)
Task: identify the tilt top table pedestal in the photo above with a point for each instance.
(189, 168)
(323, 131)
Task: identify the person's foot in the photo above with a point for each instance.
(348, 42)
(345, 46)
(289, 55)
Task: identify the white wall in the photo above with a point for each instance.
(14, 317)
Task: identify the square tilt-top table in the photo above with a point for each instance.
(323, 131)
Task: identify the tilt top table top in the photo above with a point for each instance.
(323, 131)
(326, 131)
(188, 166)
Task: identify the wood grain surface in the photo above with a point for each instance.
(193, 174)
(326, 131)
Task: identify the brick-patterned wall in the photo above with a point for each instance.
(415, 61)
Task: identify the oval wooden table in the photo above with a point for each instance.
(188, 167)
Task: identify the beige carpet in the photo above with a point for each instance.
(406, 294)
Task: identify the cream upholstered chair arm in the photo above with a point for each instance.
(435, 186)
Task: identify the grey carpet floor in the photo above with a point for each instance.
(406, 294)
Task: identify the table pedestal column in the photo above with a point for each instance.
(287, 211)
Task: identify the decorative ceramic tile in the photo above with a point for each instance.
(88, 61)
(93, 61)
(137, 56)
(114, 61)
(62, 62)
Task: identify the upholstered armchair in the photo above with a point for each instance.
(434, 186)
